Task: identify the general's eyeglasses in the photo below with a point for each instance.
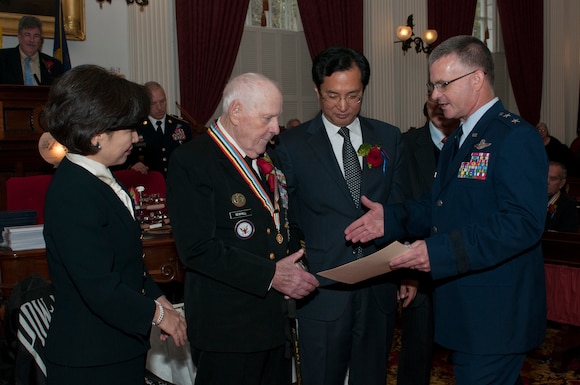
(442, 86)
(334, 99)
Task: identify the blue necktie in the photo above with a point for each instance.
(28, 77)
(457, 143)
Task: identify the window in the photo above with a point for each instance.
(483, 27)
(282, 14)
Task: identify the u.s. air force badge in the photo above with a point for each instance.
(482, 144)
(244, 229)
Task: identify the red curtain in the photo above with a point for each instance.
(332, 22)
(450, 18)
(522, 27)
(208, 38)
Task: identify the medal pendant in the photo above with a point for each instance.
(279, 238)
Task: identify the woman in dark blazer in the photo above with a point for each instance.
(105, 300)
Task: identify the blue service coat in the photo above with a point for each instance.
(484, 225)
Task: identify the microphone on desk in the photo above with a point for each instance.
(37, 79)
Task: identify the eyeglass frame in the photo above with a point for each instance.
(442, 86)
(335, 99)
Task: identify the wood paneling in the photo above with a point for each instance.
(21, 125)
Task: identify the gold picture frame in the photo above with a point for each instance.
(74, 21)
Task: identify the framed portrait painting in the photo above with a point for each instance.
(73, 10)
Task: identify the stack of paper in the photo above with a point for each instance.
(16, 218)
(24, 237)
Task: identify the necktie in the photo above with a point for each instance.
(250, 163)
(122, 194)
(352, 171)
(28, 77)
(159, 129)
(458, 139)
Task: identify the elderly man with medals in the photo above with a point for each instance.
(232, 235)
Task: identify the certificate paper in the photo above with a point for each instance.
(367, 267)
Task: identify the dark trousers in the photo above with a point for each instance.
(416, 354)
(270, 367)
(358, 341)
(485, 369)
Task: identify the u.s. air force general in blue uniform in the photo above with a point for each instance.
(485, 218)
(153, 148)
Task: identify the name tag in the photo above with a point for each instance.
(240, 214)
(476, 168)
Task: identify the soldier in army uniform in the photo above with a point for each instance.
(233, 237)
(159, 135)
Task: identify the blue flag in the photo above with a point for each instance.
(60, 48)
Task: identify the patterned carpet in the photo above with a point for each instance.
(536, 370)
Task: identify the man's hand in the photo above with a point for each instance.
(416, 258)
(140, 167)
(368, 227)
(407, 291)
(291, 279)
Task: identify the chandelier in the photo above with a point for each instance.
(407, 37)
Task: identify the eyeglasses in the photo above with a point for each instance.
(442, 86)
(334, 99)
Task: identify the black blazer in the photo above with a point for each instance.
(11, 67)
(321, 205)
(103, 293)
(419, 159)
(565, 218)
(227, 241)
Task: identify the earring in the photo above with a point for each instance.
(98, 146)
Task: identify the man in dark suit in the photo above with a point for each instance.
(422, 147)
(483, 220)
(159, 135)
(562, 213)
(232, 235)
(342, 327)
(25, 64)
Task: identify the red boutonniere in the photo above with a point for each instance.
(275, 178)
(267, 169)
(48, 64)
(375, 156)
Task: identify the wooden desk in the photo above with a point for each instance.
(160, 257)
(562, 258)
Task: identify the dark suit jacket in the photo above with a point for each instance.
(153, 149)
(11, 67)
(225, 238)
(419, 159)
(322, 206)
(103, 293)
(566, 216)
(484, 238)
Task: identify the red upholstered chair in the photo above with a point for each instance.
(27, 193)
(153, 181)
